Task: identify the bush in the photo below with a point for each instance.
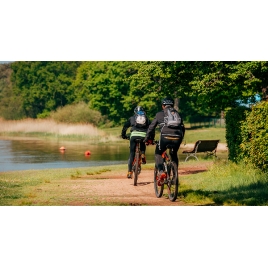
(234, 118)
(254, 145)
(79, 113)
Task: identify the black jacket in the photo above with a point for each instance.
(159, 121)
(131, 123)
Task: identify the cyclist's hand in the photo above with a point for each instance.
(124, 137)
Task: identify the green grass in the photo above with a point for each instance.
(225, 183)
(192, 135)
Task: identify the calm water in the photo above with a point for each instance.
(33, 153)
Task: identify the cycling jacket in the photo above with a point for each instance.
(134, 129)
(164, 130)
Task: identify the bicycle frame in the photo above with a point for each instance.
(172, 178)
(136, 168)
(136, 164)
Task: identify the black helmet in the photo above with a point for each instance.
(168, 101)
(139, 109)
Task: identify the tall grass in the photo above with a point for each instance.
(48, 126)
(226, 183)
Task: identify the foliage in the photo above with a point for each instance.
(157, 79)
(219, 85)
(43, 85)
(10, 104)
(226, 183)
(254, 145)
(78, 113)
(104, 85)
(234, 119)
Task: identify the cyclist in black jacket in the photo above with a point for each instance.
(137, 131)
(167, 136)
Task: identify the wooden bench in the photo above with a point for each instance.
(202, 146)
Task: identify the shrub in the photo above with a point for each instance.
(254, 145)
(78, 113)
(234, 118)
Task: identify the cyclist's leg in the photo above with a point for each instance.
(174, 152)
(159, 161)
(143, 150)
(132, 145)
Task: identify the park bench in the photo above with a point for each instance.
(202, 146)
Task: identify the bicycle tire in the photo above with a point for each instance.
(158, 189)
(136, 170)
(173, 182)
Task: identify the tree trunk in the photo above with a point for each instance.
(176, 103)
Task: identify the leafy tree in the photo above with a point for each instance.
(104, 86)
(154, 80)
(220, 85)
(10, 104)
(43, 85)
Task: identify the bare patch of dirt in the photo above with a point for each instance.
(114, 187)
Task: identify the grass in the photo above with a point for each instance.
(50, 129)
(49, 187)
(191, 135)
(224, 184)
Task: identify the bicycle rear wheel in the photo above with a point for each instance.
(158, 189)
(173, 182)
(136, 170)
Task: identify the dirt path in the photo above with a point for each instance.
(116, 188)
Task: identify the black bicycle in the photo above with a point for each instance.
(136, 164)
(172, 177)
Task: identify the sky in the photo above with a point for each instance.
(128, 30)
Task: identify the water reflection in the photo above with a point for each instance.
(30, 153)
(34, 153)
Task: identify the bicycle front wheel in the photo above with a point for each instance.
(173, 182)
(158, 189)
(136, 170)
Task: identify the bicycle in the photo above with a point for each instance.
(136, 164)
(172, 177)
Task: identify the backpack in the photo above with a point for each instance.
(172, 118)
(140, 120)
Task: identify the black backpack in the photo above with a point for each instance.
(172, 118)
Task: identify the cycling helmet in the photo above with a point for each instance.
(139, 110)
(168, 101)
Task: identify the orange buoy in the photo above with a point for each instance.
(87, 153)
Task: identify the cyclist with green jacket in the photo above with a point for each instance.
(139, 124)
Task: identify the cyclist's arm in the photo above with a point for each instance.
(124, 129)
(152, 133)
(151, 129)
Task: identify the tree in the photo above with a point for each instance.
(10, 104)
(43, 85)
(104, 86)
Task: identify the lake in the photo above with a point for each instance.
(21, 153)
